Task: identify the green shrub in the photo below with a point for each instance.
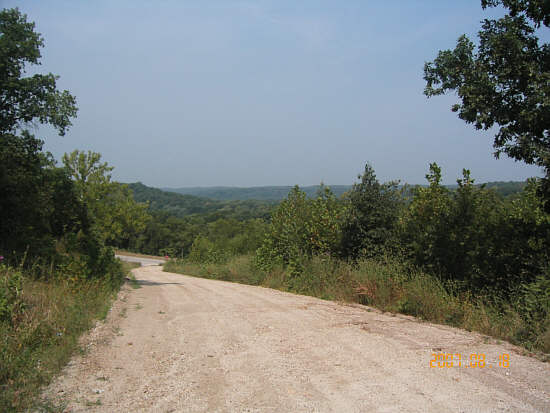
(301, 228)
(10, 293)
(368, 230)
(204, 251)
(474, 239)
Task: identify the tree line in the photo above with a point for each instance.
(402, 249)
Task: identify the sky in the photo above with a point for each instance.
(251, 93)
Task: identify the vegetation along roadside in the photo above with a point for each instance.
(58, 272)
(467, 258)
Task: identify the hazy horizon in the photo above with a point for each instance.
(301, 186)
(240, 93)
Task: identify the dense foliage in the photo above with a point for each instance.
(165, 234)
(504, 82)
(28, 99)
(473, 237)
(33, 192)
(302, 227)
(114, 213)
(369, 228)
(38, 202)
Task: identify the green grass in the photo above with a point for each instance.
(133, 282)
(388, 285)
(128, 267)
(38, 339)
(239, 269)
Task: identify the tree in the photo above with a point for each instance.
(113, 211)
(372, 215)
(37, 201)
(475, 239)
(86, 168)
(301, 228)
(27, 99)
(504, 82)
(31, 210)
(424, 223)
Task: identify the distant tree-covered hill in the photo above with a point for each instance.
(184, 205)
(267, 193)
(502, 188)
(277, 193)
(245, 203)
(506, 188)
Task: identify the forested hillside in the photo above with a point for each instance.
(180, 205)
(271, 193)
(278, 193)
(506, 188)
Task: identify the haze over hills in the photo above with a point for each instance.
(180, 205)
(265, 193)
(277, 193)
(245, 203)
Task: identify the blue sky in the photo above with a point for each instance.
(249, 93)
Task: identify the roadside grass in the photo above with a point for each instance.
(128, 267)
(40, 333)
(91, 403)
(388, 285)
(239, 269)
(136, 254)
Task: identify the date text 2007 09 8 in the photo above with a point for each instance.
(475, 360)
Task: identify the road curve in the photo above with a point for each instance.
(184, 344)
(142, 260)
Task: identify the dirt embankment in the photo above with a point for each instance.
(183, 344)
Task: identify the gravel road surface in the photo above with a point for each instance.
(142, 260)
(184, 344)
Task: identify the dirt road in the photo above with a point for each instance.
(144, 261)
(183, 344)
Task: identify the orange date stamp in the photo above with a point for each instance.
(473, 360)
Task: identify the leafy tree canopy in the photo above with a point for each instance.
(372, 214)
(505, 81)
(37, 202)
(28, 99)
(114, 212)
